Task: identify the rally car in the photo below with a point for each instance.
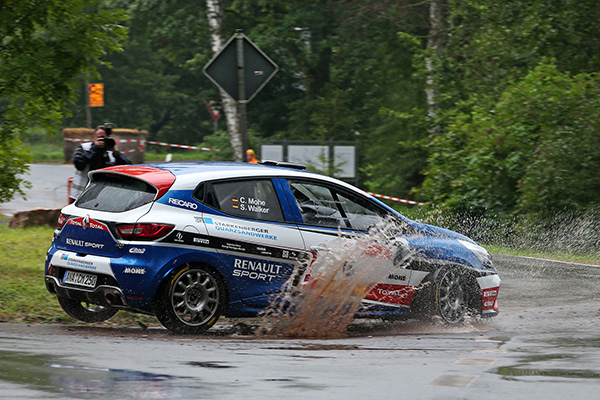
(190, 242)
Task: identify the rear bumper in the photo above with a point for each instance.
(103, 295)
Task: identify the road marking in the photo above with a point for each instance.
(490, 351)
(481, 362)
(454, 380)
(487, 340)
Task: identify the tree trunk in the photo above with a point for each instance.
(434, 42)
(214, 12)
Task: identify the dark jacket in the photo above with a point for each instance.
(96, 158)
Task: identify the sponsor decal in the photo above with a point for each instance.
(79, 263)
(252, 231)
(135, 271)
(395, 277)
(394, 294)
(64, 257)
(232, 246)
(384, 292)
(256, 270)
(201, 240)
(88, 222)
(179, 237)
(83, 243)
(488, 297)
(137, 250)
(183, 203)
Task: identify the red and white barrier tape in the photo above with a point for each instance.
(180, 146)
(116, 140)
(396, 199)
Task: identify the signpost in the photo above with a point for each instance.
(241, 70)
(214, 108)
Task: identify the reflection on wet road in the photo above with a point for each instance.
(53, 376)
(543, 345)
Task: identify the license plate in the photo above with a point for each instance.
(81, 279)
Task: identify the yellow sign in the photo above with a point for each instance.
(96, 94)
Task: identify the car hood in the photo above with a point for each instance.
(426, 230)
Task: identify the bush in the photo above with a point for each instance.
(534, 153)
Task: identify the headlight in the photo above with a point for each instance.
(482, 254)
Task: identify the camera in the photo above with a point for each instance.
(108, 126)
(109, 143)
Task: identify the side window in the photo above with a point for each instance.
(254, 199)
(317, 204)
(359, 216)
(332, 207)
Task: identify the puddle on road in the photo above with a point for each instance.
(209, 364)
(512, 372)
(525, 368)
(53, 376)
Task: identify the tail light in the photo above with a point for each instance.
(144, 231)
(61, 220)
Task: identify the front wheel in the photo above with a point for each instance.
(85, 311)
(192, 301)
(451, 296)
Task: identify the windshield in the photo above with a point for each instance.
(115, 193)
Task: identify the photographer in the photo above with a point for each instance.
(101, 152)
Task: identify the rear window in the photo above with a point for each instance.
(116, 193)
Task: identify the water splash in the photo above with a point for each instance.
(567, 231)
(325, 302)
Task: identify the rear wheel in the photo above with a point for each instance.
(85, 311)
(192, 301)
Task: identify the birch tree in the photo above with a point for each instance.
(434, 45)
(216, 26)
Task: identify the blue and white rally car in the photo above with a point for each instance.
(190, 242)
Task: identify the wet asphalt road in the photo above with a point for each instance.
(48, 190)
(543, 345)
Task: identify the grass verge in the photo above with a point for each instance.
(591, 258)
(23, 294)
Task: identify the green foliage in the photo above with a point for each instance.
(157, 83)
(516, 92)
(44, 47)
(23, 294)
(535, 151)
(356, 69)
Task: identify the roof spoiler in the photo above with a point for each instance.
(283, 164)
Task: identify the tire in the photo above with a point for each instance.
(192, 300)
(85, 311)
(451, 295)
